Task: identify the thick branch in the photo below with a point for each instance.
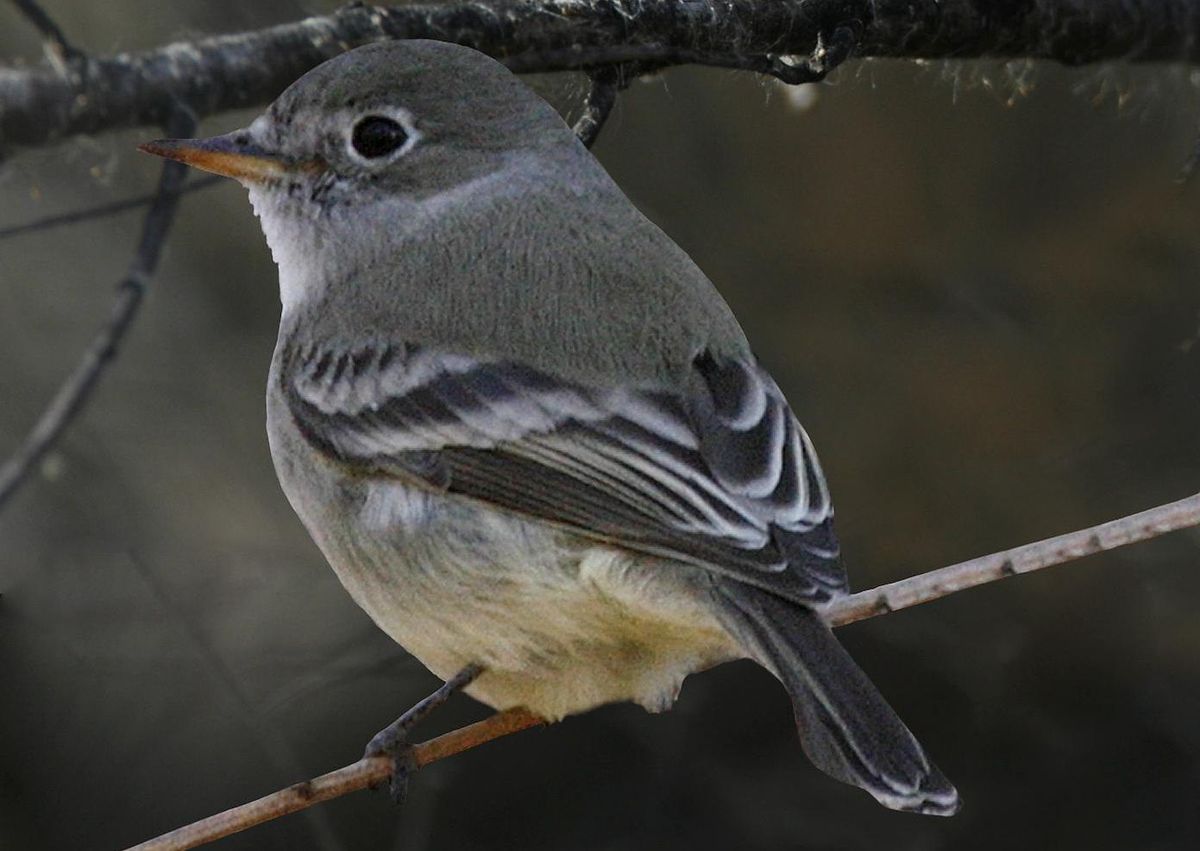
(372, 771)
(212, 75)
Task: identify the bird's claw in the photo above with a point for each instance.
(404, 763)
(392, 740)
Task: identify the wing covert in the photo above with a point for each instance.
(726, 480)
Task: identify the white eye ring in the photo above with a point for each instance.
(375, 130)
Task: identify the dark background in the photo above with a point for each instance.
(976, 284)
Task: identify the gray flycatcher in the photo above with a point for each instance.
(522, 425)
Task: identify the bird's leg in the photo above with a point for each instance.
(392, 740)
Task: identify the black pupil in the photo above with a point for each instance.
(376, 136)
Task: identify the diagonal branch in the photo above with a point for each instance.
(367, 773)
(78, 387)
(936, 584)
(104, 210)
(372, 771)
(56, 42)
(213, 75)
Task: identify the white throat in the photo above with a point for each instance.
(296, 246)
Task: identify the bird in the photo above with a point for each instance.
(521, 424)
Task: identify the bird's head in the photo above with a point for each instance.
(377, 140)
(399, 118)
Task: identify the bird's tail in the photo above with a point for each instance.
(846, 727)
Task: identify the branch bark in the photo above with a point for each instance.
(601, 99)
(936, 584)
(42, 105)
(373, 771)
(367, 773)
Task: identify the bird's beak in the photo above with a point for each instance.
(232, 155)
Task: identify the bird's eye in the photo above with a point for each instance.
(377, 136)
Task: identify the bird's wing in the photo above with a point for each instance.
(726, 480)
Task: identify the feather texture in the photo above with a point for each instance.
(725, 478)
(846, 727)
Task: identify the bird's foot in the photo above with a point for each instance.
(392, 740)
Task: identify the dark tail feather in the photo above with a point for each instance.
(846, 727)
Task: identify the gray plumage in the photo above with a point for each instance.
(525, 429)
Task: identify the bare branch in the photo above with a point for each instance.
(367, 773)
(104, 210)
(935, 584)
(792, 39)
(959, 577)
(601, 99)
(797, 41)
(78, 387)
(830, 52)
(58, 48)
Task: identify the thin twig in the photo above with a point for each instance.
(958, 577)
(75, 391)
(602, 96)
(367, 773)
(370, 772)
(57, 45)
(104, 210)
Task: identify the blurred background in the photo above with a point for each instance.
(978, 287)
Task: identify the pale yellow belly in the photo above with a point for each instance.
(560, 624)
